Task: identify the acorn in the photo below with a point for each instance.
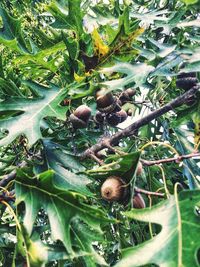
(139, 169)
(131, 92)
(127, 95)
(114, 189)
(138, 201)
(106, 103)
(80, 117)
(99, 117)
(123, 115)
(114, 119)
(186, 80)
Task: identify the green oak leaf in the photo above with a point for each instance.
(190, 2)
(61, 206)
(119, 165)
(32, 111)
(70, 18)
(39, 58)
(152, 16)
(66, 168)
(11, 34)
(38, 253)
(84, 236)
(134, 74)
(177, 243)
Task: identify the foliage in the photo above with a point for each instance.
(55, 55)
(173, 246)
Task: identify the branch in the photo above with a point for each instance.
(7, 178)
(149, 193)
(174, 159)
(132, 129)
(10, 176)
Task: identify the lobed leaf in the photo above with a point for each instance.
(178, 243)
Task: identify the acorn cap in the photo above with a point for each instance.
(106, 103)
(138, 201)
(186, 74)
(117, 108)
(186, 80)
(113, 189)
(76, 122)
(83, 112)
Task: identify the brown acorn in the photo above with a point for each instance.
(131, 92)
(139, 169)
(115, 118)
(122, 114)
(114, 189)
(99, 117)
(106, 103)
(83, 112)
(138, 201)
(80, 117)
(127, 95)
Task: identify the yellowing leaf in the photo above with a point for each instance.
(126, 42)
(197, 129)
(196, 120)
(101, 49)
(78, 78)
(135, 34)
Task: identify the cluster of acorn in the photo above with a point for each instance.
(109, 110)
(115, 189)
(109, 107)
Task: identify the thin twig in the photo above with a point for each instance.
(167, 160)
(96, 159)
(149, 193)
